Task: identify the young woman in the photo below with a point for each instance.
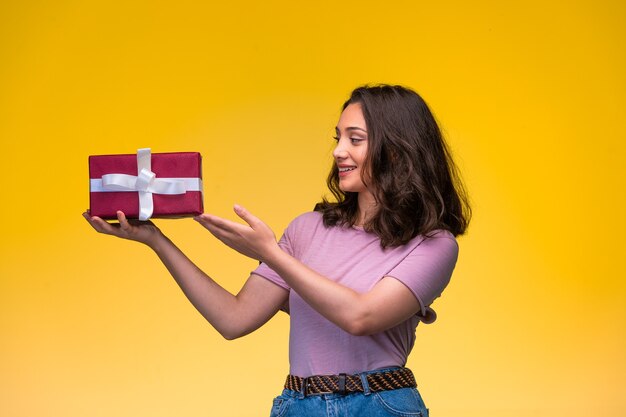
(356, 275)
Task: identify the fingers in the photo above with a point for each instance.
(215, 223)
(90, 220)
(204, 220)
(124, 225)
(100, 225)
(245, 215)
(251, 239)
(224, 230)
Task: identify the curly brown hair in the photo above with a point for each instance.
(414, 180)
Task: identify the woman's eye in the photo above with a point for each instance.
(353, 141)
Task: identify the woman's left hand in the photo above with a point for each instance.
(255, 240)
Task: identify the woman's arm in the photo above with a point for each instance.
(387, 304)
(232, 316)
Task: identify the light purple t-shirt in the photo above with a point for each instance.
(354, 258)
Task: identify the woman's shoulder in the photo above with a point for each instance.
(440, 234)
(307, 220)
(437, 240)
(309, 216)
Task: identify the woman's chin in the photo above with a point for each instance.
(346, 189)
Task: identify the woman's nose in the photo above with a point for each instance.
(339, 152)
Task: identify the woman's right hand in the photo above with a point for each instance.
(140, 231)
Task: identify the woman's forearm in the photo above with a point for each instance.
(339, 304)
(209, 298)
(386, 305)
(232, 316)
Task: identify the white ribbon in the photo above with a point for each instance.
(145, 183)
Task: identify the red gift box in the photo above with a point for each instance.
(145, 185)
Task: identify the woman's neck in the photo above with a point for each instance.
(367, 208)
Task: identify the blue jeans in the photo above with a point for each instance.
(403, 402)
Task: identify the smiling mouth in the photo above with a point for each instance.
(347, 169)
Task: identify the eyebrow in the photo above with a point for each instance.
(353, 128)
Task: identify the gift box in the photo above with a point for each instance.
(146, 185)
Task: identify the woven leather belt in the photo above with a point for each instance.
(345, 384)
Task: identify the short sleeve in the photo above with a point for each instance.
(427, 269)
(285, 244)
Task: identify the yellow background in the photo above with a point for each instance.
(531, 96)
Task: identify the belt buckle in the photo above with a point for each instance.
(305, 386)
(341, 382)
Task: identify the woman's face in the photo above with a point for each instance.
(351, 150)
